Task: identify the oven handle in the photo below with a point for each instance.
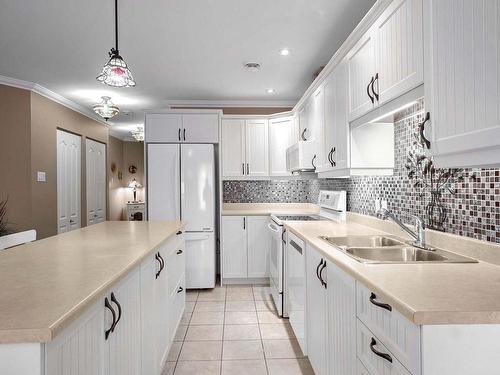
(272, 227)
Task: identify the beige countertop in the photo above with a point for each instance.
(47, 284)
(423, 293)
(262, 209)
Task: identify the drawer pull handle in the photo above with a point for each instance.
(372, 99)
(321, 274)
(179, 232)
(423, 140)
(115, 301)
(159, 262)
(317, 269)
(179, 252)
(379, 304)
(180, 289)
(108, 306)
(385, 356)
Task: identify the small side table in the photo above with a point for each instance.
(136, 211)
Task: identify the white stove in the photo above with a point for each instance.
(333, 206)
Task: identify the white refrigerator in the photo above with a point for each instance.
(181, 186)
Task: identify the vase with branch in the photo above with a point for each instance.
(3, 218)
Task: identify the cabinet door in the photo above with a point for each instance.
(341, 150)
(163, 127)
(341, 321)
(149, 317)
(79, 349)
(280, 138)
(257, 161)
(317, 123)
(200, 128)
(233, 148)
(462, 81)
(258, 246)
(316, 310)
(123, 347)
(329, 126)
(399, 49)
(163, 308)
(96, 181)
(302, 119)
(234, 247)
(361, 61)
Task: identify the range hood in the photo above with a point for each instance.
(301, 157)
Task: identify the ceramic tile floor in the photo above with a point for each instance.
(234, 330)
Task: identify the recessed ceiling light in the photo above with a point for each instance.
(284, 52)
(270, 91)
(252, 66)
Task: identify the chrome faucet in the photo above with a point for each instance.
(419, 233)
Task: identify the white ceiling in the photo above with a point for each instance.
(176, 49)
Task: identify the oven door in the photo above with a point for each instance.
(276, 265)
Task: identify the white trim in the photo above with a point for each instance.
(45, 92)
(181, 111)
(231, 103)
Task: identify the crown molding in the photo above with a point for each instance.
(55, 97)
(230, 103)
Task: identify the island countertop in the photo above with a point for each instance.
(47, 284)
(467, 293)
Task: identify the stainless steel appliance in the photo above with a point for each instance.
(332, 207)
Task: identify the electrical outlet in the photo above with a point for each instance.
(40, 176)
(384, 204)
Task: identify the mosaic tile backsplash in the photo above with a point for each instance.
(473, 212)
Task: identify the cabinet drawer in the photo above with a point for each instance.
(176, 267)
(397, 333)
(375, 357)
(177, 302)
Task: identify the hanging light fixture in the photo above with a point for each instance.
(116, 72)
(106, 109)
(138, 134)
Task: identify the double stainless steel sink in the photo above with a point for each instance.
(385, 250)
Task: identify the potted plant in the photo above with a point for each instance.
(3, 218)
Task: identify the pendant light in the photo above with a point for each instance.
(138, 134)
(116, 73)
(106, 109)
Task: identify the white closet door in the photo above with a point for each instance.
(96, 182)
(68, 181)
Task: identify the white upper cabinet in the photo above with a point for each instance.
(233, 147)
(245, 150)
(388, 60)
(462, 81)
(281, 136)
(182, 127)
(200, 128)
(316, 123)
(163, 127)
(361, 61)
(399, 49)
(302, 120)
(257, 161)
(336, 125)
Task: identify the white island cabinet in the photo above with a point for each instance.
(120, 321)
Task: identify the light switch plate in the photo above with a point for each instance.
(40, 176)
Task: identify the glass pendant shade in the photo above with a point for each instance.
(116, 73)
(138, 134)
(106, 109)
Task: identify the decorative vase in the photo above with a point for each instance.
(436, 212)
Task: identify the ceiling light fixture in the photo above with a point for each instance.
(138, 134)
(116, 72)
(270, 91)
(106, 109)
(284, 52)
(252, 66)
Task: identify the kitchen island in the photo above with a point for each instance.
(84, 300)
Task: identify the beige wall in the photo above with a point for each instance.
(15, 156)
(46, 117)
(133, 154)
(116, 186)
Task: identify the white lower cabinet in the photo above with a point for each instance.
(130, 329)
(316, 311)
(245, 247)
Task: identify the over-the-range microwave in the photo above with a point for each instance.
(301, 157)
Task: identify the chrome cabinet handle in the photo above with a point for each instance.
(184, 134)
(312, 161)
(385, 356)
(244, 223)
(423, 140)
(110, 308)
(385, 306)
(243, 168)
(179, 252)
(180, 289)
(159, 262)
(368, 90)
(179, 232)
(317, 269)
(115, 301)
(179, 134)
(283, 236)
(303, 135)
(334, 163)
(248, 169)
